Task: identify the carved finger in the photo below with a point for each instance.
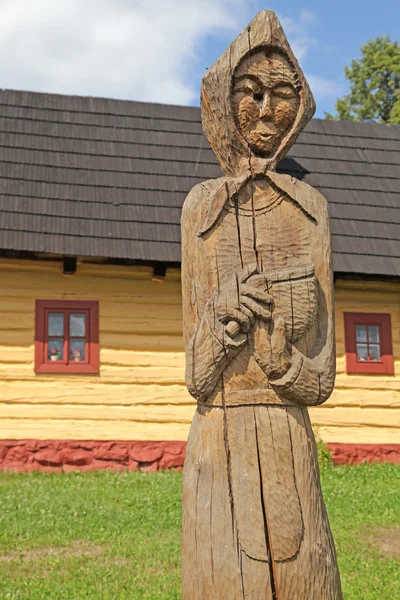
(280, 360)
(257, 309)
(262, 346)
(278, 341)
(256, 294)
(232, 329)
(245, 320)
(246, 311)
(244, 274)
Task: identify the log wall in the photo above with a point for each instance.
(140, 393)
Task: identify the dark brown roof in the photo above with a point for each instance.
(98, 177)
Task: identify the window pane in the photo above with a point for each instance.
(56, 324)
(374, 352)
(76, 350)
(373, 333)
(77, 325)
(55, 350)
(361, 333)
(362, 352)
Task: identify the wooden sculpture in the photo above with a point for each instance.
(259, 336)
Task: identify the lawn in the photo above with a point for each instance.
(116, 535)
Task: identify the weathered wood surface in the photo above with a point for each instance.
(259, 337)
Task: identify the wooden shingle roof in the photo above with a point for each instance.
(107, 178)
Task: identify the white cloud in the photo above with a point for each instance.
(307, 16)
(322, 87)
(137, 49)
(134, 49)
(297, 30)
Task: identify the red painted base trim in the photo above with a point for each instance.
(355, 454)
(71, 455)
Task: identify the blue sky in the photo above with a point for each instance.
(158, 50)
(330, 34)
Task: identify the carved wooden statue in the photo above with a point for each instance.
(259, 335)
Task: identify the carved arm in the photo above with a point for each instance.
(308, 381)
(210, 351)
(216, 327)
(304, 374)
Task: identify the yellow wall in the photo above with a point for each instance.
(363, 408)
(140, 392)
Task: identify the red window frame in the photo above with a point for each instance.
(91, 362)
(385, 364)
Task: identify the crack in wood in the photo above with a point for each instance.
(236, 201)
(211, 524)
(265, 518)
(228, 461)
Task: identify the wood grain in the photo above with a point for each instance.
(258, 323)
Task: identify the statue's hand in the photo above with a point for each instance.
(271, 349)
(257, 300)
(241, 302)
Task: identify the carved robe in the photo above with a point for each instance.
(263, 438)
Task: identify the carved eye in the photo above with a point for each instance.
(245, 89)
(284, 91)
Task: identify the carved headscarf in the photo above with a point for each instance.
(228, 143)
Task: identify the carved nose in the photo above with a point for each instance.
(266, 110)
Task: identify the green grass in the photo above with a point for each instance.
(116, 535)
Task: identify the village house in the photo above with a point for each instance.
(91, 349)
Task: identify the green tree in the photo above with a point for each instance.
(374, 85)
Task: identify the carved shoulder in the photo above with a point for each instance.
(197, 202)
(312, 199)
(306, 196)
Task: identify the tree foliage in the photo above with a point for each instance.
(374, 84)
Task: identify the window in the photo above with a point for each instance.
(368, 343)
(67, 334)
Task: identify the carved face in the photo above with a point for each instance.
(265, 100)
